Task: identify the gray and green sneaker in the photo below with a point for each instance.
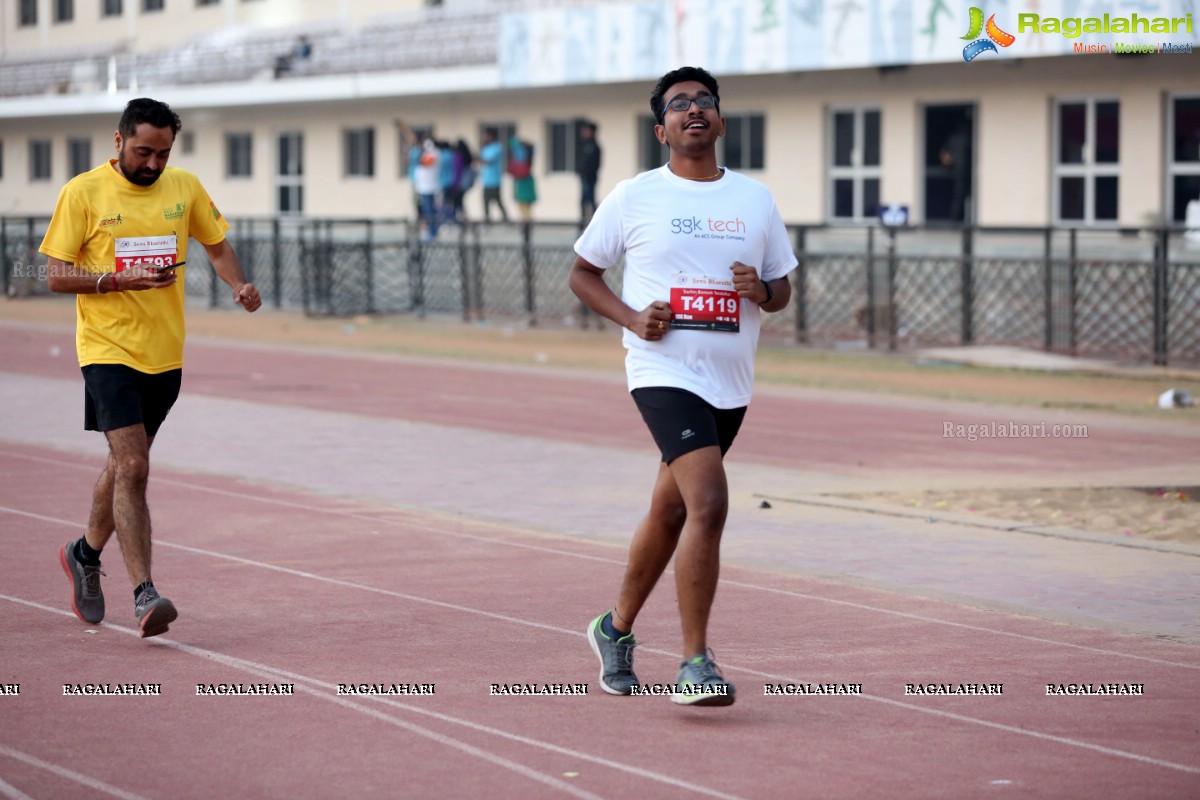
(700, 683)
(616, 658)
(87, 601)
(154, 613)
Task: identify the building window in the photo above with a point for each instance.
(111, 8)
(64, 10)
(28, 14)
(152, 5)
(854, 136)
(238, 162)
(565, 141)
(79, 156)
(359, 148)
(1086, 161)
(39, 160)
(1183, 156)
(743, 144)
(652, 154)
(289, 176)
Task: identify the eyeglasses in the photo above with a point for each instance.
(682, 104)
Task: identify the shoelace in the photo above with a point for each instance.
(91, 581)
(707, 670)
(625, 655)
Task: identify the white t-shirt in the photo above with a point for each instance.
(680, 239)
(426, 178)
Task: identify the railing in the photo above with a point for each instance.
(1128, 294)
(417, 40)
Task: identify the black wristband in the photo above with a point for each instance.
(770, 294)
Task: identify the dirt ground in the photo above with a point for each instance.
(1159, 513)
(1164, 513)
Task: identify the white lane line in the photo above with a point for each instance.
(327, 692)
(12, 792)
(728, 665)
(69, 774)
(964, 625)
(485, 539)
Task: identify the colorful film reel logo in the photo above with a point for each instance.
(995, 36)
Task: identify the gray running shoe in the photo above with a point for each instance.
(616, 658)
(87, 601)
(154, 613)
(700, 683)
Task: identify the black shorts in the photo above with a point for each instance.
(681, 422)
(116, 396)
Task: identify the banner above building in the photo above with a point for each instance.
(613, 42)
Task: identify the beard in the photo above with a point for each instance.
(139, 177)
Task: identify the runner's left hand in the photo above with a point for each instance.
(747, 283)
(247, 297)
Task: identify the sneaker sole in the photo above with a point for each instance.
(704, 700)
(62, 559)
(158, 619)
(591, 637)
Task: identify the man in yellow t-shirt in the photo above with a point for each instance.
(118, 240)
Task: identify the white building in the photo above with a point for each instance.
(837, 105)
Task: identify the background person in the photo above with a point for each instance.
(426, 179)
(491, 173)
(520, 166)
(588, 169)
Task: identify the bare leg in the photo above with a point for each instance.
(687, 513)
(652, 547)
(700, 476)
(124, 479)
(100, 521)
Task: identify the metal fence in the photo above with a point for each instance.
(1127, 294)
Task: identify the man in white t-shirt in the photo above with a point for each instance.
(706, 252)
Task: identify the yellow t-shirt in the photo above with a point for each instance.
(103, 223)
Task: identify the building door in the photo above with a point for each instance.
(289, 174)
(950, 164)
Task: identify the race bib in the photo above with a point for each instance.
(145, 251)
(705, 309)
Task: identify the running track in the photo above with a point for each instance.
(324, 519)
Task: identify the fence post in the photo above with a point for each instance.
(276, 263)
(527, 253)
(871, 304)
(306, 277)
(1048, 290)
(8, 266)
(891, 289)
(1072, 269)
(1161, 296)
(370, 259)
(464, 273)
(800, 289)
(968, 285)
(477, 272)
(416, 268)
(213, 298)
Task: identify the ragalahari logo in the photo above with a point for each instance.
(995, 36)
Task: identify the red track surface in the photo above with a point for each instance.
(281, 585)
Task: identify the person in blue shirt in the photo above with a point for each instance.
(491, 158)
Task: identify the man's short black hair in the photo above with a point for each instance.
(679, 76)
(153, 112)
